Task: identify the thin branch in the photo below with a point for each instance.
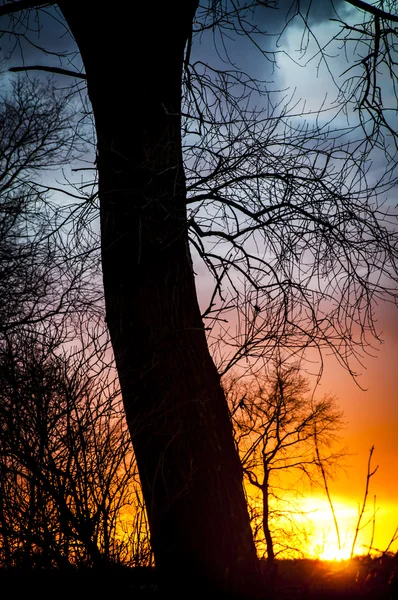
(13, 7)
(56, 70)
(393, 539)
(326, 486)
(372, 537)
(368, 477)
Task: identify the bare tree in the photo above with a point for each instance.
(40, 276)
(67, 468)
(281, 210)
(68, 474)
(283, 435)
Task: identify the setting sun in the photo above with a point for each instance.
(322, 536)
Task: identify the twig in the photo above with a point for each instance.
(326, 486)
(373, 525)
(368, 476)
(374, 10)
(13, 7)
(393, 539)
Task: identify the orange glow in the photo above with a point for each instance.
(372, 419)
(317, 520)
(371, 414)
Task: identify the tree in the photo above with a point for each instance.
(67, 468)
(284, 435)
(332, 252)
(66, 463)
(41, 279)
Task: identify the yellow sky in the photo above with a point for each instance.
(322, 533)
(371, 416)
(372, 419)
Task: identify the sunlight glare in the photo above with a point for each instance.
(332, 552)
(322, 542)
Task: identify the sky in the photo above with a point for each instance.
(370, 402)
(372, 419)
(371, 413)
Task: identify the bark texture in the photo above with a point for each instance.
(176, 409)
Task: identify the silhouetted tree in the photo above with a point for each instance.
(39, 278)
(327, 251)
(283, 435)
(68, 509)
(67, 472)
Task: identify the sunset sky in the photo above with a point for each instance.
(372, 419)
(371, 413)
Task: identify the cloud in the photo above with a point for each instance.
(316, 11)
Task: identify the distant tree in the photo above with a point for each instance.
(40, 278)
(68, 478)
(283, 435)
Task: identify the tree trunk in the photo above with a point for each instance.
(266, 528)
(272, 566)
(176, 410)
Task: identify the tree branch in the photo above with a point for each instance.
(377, 12)
(368, 477)
(12, 7)
(57, 70)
